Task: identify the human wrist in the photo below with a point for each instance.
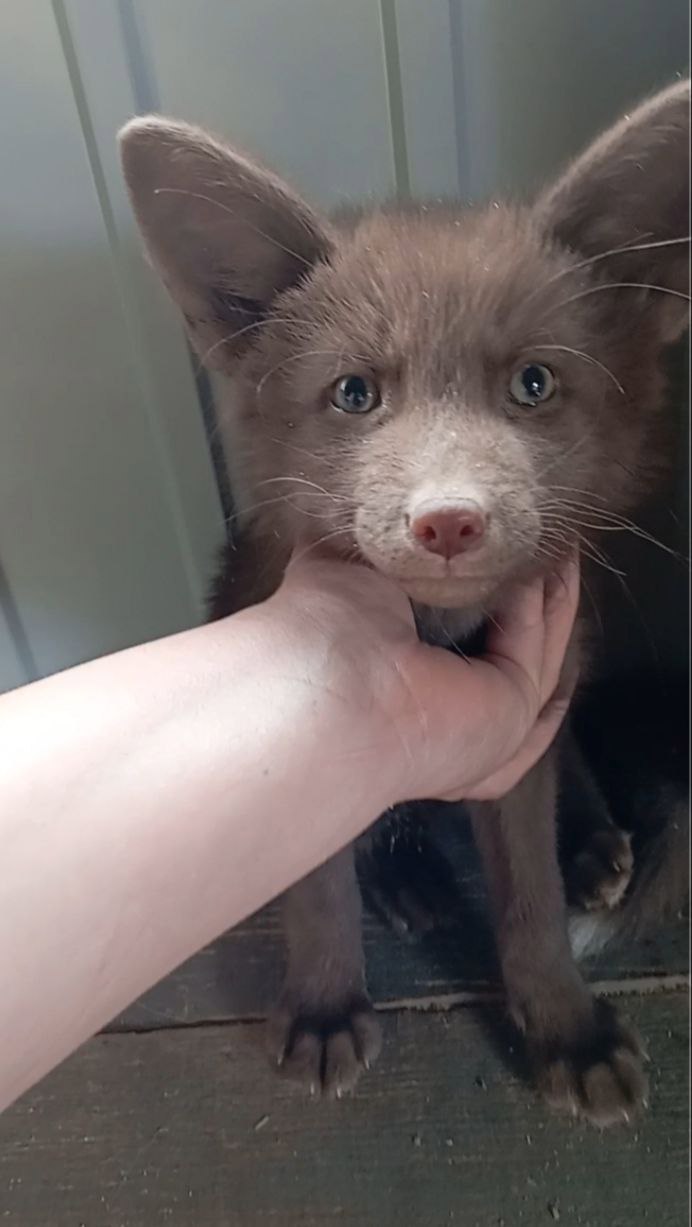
(345, 724)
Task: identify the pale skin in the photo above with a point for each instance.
(152, 799)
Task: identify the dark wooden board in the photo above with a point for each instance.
(188, 1128)
(237, 978)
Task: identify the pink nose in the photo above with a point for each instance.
(449, 530)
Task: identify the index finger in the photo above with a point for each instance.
(533, 628)
(517, 632)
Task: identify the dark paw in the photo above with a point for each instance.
(600, 873)
(599, 1076)
(409, 883)
(325, 1049)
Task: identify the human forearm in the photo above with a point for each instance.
(149, 801)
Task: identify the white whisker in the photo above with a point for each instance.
(622, 285)
(233, 336)
(604, 255)
(578, 353)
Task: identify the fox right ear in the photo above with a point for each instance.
(225, 235)
(625, 204)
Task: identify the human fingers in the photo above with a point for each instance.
(530, 632)
(516, 634)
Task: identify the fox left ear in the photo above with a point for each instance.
(225, 234)
(625, 204)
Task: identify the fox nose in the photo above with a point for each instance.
(449, 530)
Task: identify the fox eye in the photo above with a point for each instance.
(532, 384)
(355, 394)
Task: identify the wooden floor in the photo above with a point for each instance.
(174, 1118)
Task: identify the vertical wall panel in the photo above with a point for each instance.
(536, 79)
(302, 84)
(12, 670)
(114, 82)
(424, 37)
(91, 550)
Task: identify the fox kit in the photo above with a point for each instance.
(457, 397)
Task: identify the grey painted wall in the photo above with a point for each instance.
(536, 79)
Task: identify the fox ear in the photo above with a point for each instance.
(630, 190)
(225, 235)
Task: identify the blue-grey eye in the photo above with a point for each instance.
(532, 384)
(355, 394)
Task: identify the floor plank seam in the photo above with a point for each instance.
(642, 986)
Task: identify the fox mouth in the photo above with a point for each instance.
(445, 577)
(447, 591)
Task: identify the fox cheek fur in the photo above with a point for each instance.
(457, 397)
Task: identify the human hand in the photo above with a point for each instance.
(453, 729)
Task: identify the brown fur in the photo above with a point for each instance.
(440, 307)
